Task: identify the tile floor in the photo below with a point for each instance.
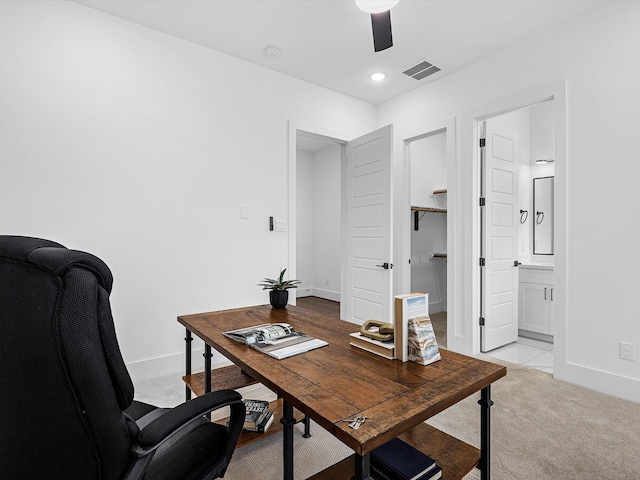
(527, 352)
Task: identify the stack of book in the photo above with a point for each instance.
(384, 349)
(258, 417)
(397, 460)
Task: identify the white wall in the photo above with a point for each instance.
(601, 239)
(142, 148)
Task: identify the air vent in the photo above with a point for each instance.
(421, 70)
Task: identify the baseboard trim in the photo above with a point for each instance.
(326, 294)
(171, 364)
(605, 382)
(436, 307)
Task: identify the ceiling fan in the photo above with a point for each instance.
(380, 11)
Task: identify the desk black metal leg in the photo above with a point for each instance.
(363, 468)
(287, 439)
(187, 369)
(307, 427)
(207, 371)
(485, 433)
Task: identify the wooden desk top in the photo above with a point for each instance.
(339, 382)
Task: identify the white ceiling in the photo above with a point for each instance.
(329, 42)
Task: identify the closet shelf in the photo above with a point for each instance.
(429, 209)
(416, 214)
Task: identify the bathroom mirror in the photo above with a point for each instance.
(543, 216)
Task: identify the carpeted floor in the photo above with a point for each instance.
(544, 428)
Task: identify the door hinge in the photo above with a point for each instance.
(482, 201)
(481, 261)
(483, 142)
(482, 321)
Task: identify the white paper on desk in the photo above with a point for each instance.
(292, 350)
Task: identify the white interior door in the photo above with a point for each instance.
(367, 286)
(500, 239)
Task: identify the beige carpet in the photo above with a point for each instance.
(263, 459)
(544, 428)
(541, 429)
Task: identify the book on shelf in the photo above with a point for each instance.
(397, 460)
(279, 340)
(384, 349)
(258, 416)
(383, 474)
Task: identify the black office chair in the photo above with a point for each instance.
(66, 398)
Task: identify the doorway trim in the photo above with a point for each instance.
(471, 183)
(403, 279)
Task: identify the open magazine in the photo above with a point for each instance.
(279, 340)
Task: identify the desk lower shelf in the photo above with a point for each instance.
(231, 377)
(247, 437)
(455, 457)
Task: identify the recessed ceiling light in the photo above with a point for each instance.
(272, 52)
(378, 76)
(375, 6)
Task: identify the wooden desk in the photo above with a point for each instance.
(339, 382)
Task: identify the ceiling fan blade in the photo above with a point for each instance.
(381, 25)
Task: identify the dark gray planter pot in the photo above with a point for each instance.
(279, 298)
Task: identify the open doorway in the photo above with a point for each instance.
(365, 254)
(427, 167)
(318, 219)
(516, 280)
(430, 156)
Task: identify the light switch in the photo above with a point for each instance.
(281, 226)
(244, 212)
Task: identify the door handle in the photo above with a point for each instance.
(516, 263)
(386, 265)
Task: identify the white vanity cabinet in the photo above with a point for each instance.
(535, 299)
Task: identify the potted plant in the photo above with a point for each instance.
(279, 295)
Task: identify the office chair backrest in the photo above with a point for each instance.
(63, 383)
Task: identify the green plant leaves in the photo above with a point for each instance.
(279, 284)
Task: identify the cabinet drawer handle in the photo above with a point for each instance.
(552, 294)
(545, 293)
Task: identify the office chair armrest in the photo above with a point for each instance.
(175, 419)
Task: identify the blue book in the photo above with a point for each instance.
(397, 460)
(381, 473)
